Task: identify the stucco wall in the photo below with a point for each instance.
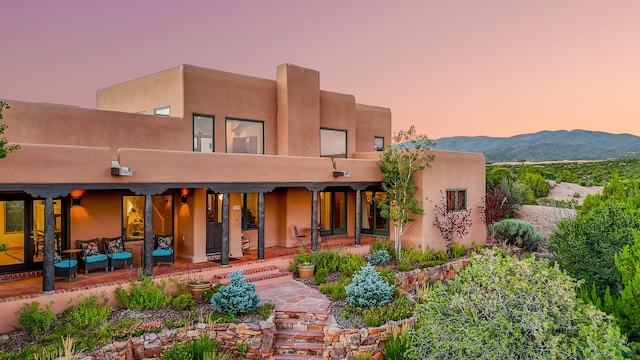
(371, 121)
(449, 170)
(163, 88)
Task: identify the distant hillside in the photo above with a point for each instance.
(547, 146)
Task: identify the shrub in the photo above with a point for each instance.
(517, 233)
(184, 302)
(511, 309)
(35, 319)
(238, 297)
(405, 265)
(368, 288)
(320, 275)
(350, 264)
(628, 305)
(200, 349)
(397, 343)
(325, 260)
(207, 294)
(459, 250)
(144, 294)
(383, 245)
(586, 245)
(302, 258)
(380, 257)
(265, 310)
(90, 312)
(335, 291)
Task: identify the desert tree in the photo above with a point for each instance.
(399, 164)
(4, 149)
(452, 223)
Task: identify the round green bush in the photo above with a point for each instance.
(517, 233)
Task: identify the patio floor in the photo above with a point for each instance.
(33, 285)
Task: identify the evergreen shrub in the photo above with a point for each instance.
(368, 288)
(378, 258)
(238, 297)
(517, 233)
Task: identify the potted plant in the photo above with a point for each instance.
(304, 264)
(198, 286)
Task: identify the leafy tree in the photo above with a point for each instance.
(536, 183)
(451, 224)
(399, 163)
(628, 305)
(4, 149)
(501, 307)
(586, 245)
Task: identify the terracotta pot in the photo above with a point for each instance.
(305, 271)
(198, 289)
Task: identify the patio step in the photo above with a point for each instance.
(259, 275)
(296, 357)
(300, 334)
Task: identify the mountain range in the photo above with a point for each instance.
(547, 146)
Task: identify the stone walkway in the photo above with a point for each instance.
(292, 295)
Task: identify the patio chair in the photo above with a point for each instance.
(91, 257)
(299, 238)
(163, 249)
(116, 252)
(65, 267)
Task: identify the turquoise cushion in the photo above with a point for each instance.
(120, 255)
(94, 258)
(65, 264)
(162, 252)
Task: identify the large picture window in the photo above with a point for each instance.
(245, 136)
(133, 216)
(333, 143)
(249, 211)
(203, 133)
(456, 200)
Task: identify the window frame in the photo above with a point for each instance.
(213, 132)
(346, 143)
(374, 143)
(123, 215)
(456, 199)
(229, 146)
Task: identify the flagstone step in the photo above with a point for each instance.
(302, 348)
(300, 335)
(296, 357)
(260, 276)
(301, 324)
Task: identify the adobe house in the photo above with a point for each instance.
(209, 158)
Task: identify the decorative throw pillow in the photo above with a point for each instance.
(164, 242)
(90, 249)
(115, 245)
(56, 257)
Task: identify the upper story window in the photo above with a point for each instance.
(203, 133)
(333, 143)
(456, 199)
(378, 143)
(245, 136)
(141, 112)
(165, 110)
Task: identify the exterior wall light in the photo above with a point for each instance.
(75, 201)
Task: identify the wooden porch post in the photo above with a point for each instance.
(224, 252)
(148, 236)
(314, 220)
(260, 226)
(358, 215)
(48, 271)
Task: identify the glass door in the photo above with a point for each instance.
(14, 240)
(214, 223)
(372, 222)
(333, 213)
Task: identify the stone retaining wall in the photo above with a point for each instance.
(260, 339)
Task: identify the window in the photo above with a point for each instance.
(456, 200)
(141, 112)
(133, 216)
(333, 143)
(245, 136)
(165, 110)
(378, 143)
(202, 133)
(249, 211)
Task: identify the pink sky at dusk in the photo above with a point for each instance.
(461, 67)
